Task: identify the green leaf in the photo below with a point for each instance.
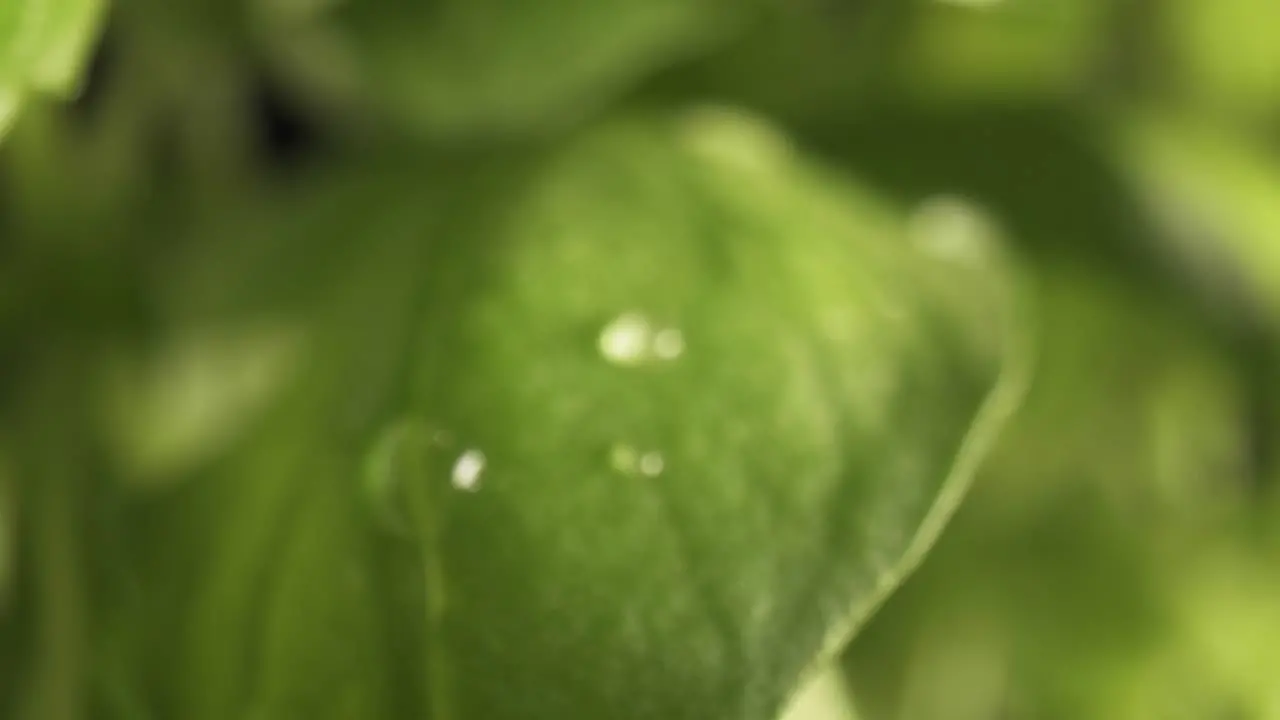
(824, 698)
(1224, 53)
(996, 49)
(8, 531)
(43, 44)
(660, 418)
(1082, 525)
(474, 67)
(1212, 196)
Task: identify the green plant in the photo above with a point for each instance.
(626, 359)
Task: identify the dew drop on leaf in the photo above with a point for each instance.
(652, 464)
(632, 339)
(468, 471)
(625, 341)
(628, 460)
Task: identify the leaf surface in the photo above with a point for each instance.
(482, 67)
(658, 418)
(43, 44)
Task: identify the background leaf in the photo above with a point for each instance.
(467, 68)
(42, 48)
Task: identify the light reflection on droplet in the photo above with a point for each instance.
(668, 344)
(950, 228)
(468, 469)
(652, 464)
(628, 460)
(625, 341)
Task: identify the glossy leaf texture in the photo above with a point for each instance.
(43, 44)
(487, 67)
(654, 421)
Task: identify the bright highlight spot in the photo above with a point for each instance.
(468, 469)
(625, 341)
(652, 464)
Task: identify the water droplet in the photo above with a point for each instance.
(652, 464)
(668, 344)
(468, 469)
(624, 458)
(950, 228)
(626, 340)
(631, 340)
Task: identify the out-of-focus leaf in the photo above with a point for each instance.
(830, 64)
(180, 406)
(476, 67)
(1213, 197)
(1224, 52)
(42, 47)
(1219, 658)
(8, 531)
(966, 50)
(8, 106)
(824, 698)
(1048, 597)
(804, 61)
(662, 418)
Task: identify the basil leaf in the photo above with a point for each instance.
(43, 44)
(480, 67)
(660, 418)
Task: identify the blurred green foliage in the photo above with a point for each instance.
(618, 358)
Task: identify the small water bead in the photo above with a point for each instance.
(625, 341)
(652, 464)
(628, 460)
(631, 339)
(469, 470)
(404, 459)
